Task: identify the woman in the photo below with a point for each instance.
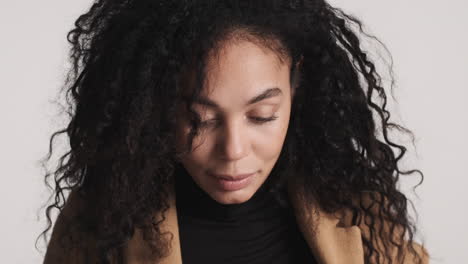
(227, 132)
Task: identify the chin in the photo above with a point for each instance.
(236, 197)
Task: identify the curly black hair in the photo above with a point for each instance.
(130, 60)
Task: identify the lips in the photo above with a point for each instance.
(230, 183)
(229, 177)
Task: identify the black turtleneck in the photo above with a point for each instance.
(258, 231)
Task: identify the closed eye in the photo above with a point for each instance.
(256, 120)
(262, 120)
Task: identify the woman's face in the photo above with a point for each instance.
(247, 84)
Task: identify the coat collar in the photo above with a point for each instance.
(330, 241)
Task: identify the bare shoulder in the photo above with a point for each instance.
(66, 245)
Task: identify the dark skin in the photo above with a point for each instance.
(122, 132)
(86, 250)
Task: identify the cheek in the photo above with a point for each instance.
(271, 143)
(182, 135)
(201, 147)
(269, 140)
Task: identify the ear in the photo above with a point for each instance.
(300, 61)
(297, 68)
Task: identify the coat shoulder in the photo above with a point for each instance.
(371, 205)
(67, 244)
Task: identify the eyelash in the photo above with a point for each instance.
(257, 120)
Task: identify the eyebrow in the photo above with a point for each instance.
(268, 93)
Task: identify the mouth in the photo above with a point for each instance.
(233, 183)
(230, 177)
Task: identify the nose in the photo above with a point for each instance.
(233, 141)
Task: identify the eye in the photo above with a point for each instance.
(208, 123)
(261, 120)
(255, 119)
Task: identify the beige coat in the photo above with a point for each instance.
(335, 242)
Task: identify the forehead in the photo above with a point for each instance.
(242, 71)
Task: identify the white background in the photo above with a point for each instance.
(427, 39)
